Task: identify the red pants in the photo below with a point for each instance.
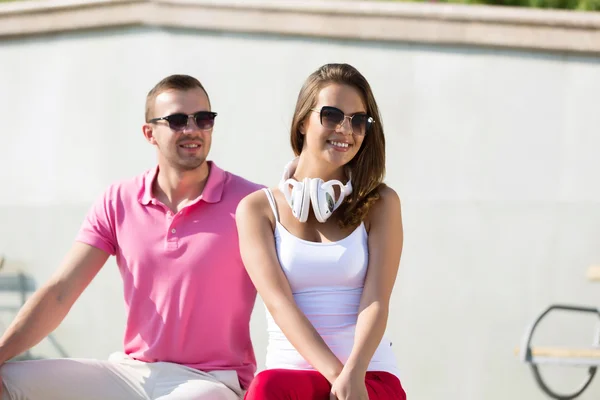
(288, 384)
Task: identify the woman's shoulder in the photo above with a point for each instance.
(388, 202)
(387, 195)
(255, 205)
(253, 202)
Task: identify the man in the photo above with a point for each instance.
(188, 297)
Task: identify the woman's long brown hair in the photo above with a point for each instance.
(368, 165)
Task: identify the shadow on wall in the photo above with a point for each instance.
(15, 287)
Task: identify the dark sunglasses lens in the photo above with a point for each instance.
(331, 117)
(204, 120)
(360, 124)
(177, 122)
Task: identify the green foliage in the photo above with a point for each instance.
(581, 5)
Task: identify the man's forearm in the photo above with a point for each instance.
(40, 315)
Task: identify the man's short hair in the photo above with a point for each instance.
(172, 82)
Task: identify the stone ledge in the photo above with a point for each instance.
(501, 27)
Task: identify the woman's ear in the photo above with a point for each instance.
(302, 127)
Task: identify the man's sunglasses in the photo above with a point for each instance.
(204, 120)
(332, 118)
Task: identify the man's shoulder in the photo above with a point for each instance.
(128, 187)
(240, 185)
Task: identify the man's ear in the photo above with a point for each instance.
(148, 131)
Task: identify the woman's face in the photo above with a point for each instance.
(334, 129)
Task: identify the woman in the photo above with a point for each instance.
(323, 250)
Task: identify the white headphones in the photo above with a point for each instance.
(311, 190)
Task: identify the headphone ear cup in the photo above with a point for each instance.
(291, 195)
(296, 199)
(323, 200)
(304, 203)
(315, 198)
(326, 202)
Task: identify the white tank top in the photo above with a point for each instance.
(327, 282)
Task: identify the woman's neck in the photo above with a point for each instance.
(308, 167)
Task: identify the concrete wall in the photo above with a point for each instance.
(493, 152)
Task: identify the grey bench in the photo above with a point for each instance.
(15, 281)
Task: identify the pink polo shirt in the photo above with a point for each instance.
(188, 297)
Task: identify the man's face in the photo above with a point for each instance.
(183, 148)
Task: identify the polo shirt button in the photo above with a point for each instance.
(173, 230)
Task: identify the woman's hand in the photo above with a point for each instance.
(349, 385)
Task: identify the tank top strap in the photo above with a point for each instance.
(272, 202)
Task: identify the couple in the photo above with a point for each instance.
(195, 243)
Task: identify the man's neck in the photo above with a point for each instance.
(176, 188)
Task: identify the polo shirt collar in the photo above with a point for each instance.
(212, 193)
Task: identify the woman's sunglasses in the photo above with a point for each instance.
(204, 120)
(332, 118)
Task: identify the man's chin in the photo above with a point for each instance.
(189, 165)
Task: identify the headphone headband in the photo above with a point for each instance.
(320, 194)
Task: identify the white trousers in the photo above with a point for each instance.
(118, 378)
